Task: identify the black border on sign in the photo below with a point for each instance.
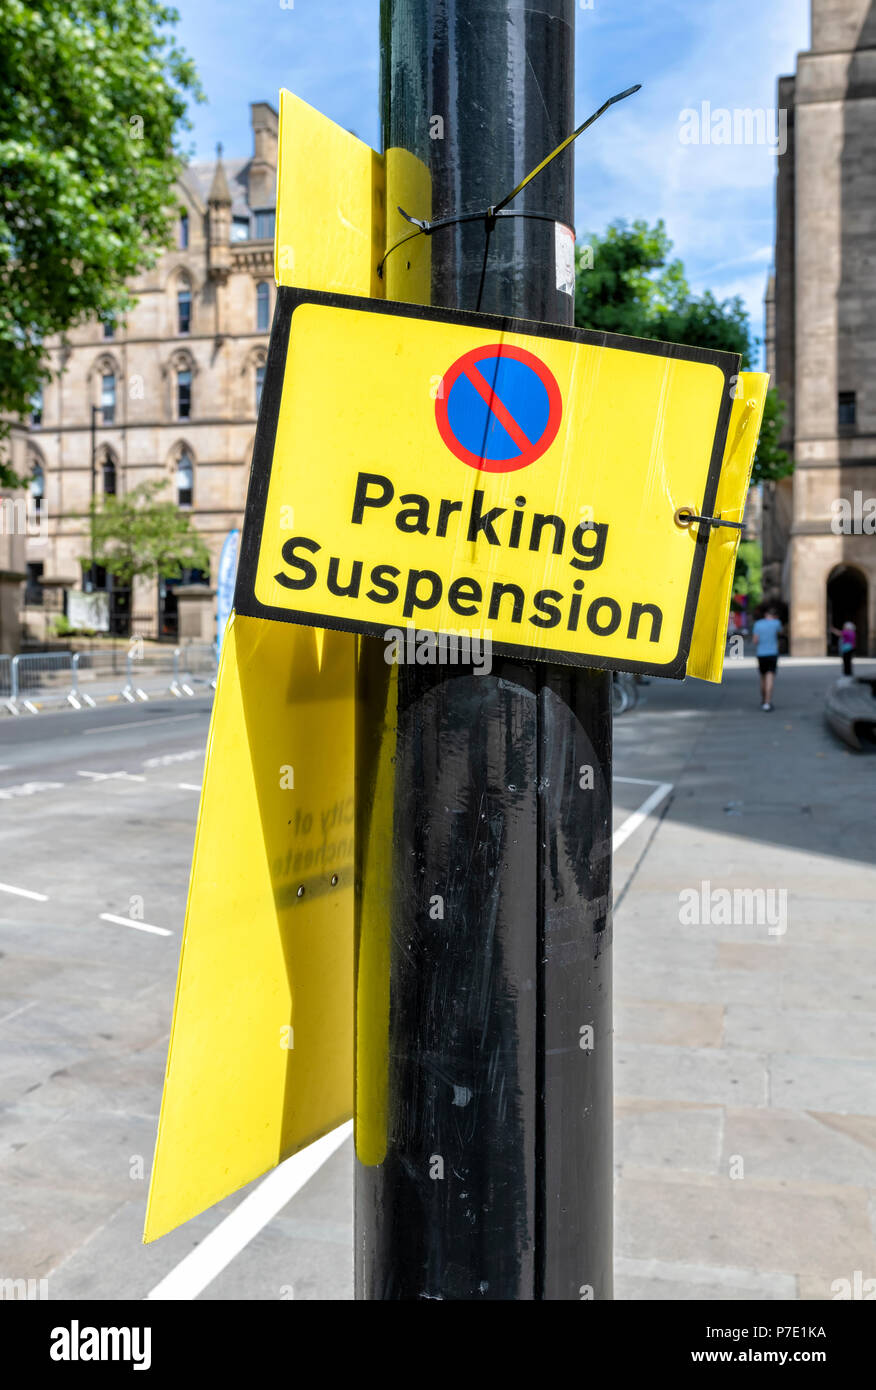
(288, 300)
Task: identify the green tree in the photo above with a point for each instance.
(94, 96)
(634, 287)
(772, 462)
(141, 536)
(748, 578)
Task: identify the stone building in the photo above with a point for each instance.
(171, 393)
(819, 541)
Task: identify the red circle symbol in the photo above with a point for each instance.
(499, 408)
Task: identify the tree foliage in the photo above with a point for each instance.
(93, 97)
(139, 535)
(634, 287)
(748, 576)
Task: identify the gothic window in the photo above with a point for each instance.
(109, 476)
(108, 398)
(184, 394)
(263, 307)
(183, 231)
(259, 383)
(37, 486)
(185, 479)
(184, 309)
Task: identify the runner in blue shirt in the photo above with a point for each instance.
(766, 641)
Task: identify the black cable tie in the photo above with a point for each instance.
(489, 215)
(564, 144)
(427, 228)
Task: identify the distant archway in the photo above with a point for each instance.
(847, 598)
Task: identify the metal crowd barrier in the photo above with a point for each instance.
(145, 677)
(41, 678)
(36, 680)
(196, 665)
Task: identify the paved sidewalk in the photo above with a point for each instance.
(745, 1057)
(744, 1060)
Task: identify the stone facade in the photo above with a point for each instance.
(821, 332)
(176, 385)
(17, 519)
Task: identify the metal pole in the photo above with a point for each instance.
(94, 413)
(494, 1090)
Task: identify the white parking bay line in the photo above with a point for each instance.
(188, 786)
(129, 922)
(632, 823)
(23, 893)
(140, 723)
(201, 1266)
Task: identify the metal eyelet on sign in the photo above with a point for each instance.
(685, 516)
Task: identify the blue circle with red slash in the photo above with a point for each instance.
(499, 408)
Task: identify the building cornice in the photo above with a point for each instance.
(170, 341)
(178, 427)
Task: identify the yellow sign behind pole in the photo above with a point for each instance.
(330, 204)
(260, 1057)
(261, 1053)
(710, 629)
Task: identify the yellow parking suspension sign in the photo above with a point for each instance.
(422, 472)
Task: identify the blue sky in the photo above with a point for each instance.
(716, 200)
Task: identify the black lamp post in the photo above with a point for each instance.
(95, 411)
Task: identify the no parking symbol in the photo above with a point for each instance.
(500, 408)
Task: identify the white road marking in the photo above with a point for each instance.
(189, 786)
(129, 922)
(28, 789)
(640, 781)
(23, 1010)
(23, 893)
(165, 759)
(632, 823)
(139, 724)
(201, 1266)
(113, 776)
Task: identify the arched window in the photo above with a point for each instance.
(259, 383)
(263, 307)
(183, 394)
(185, 479)
(183, 230)
(36, 407)
(184, 308)
(37, 487)
(108, 398)
(109, 476)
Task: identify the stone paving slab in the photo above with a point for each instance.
(745, 1063)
